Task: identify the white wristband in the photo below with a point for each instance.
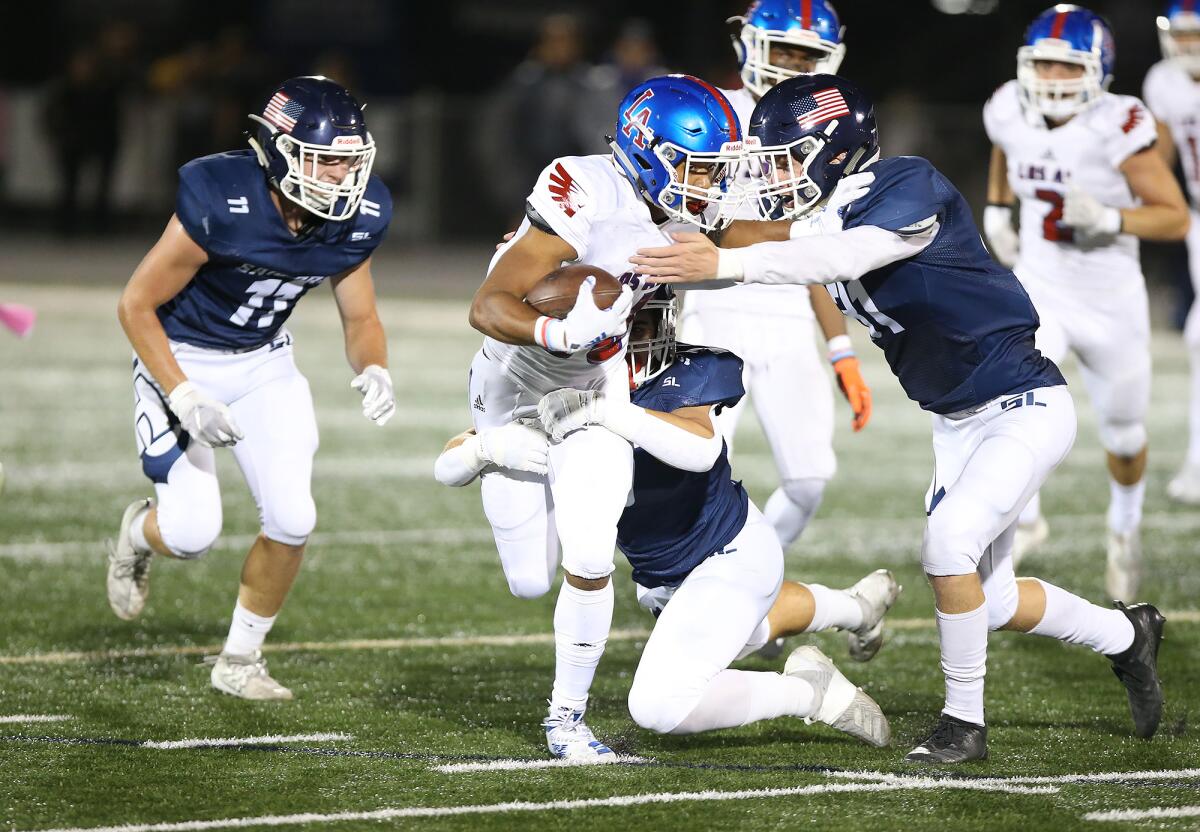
(548, 334)
(1111, 221)
(729, 264)
(840, 343)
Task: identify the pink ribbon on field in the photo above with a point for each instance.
(18, 318)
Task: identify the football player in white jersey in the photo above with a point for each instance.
(1082, 163)
(771, 327)
(675, 139)
(1172, 91)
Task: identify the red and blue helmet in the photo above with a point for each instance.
(677, 119)
(1069, 34)
(310, 132)
(809, 24)
(1182, 18)
(810, 131)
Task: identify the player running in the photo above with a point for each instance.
(1172, 91)
(253, 231)
(705, 561)
(898, 248)
(771, 327)
(675, 137)
(1081, 162)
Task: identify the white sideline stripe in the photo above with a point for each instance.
(524, 765)
(1058, 779)
(35, 718)
(1144, 814)
(306, 646)
(269, 739)
(554, 805)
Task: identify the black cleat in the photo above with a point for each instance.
(953, 740)
(1137, 667)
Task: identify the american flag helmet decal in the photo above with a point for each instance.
(820, 106)
(282, 112)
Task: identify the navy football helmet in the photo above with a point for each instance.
(652, 337)
(672, 119)
(1069, 34)
(1179, 35)
(809, 24)
(812, 131)
(310, 128)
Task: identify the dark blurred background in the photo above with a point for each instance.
(467, 99)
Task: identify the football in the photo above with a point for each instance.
(555, 294)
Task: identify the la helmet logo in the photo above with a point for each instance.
(638, 113)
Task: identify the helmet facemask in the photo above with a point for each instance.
(1059, 98)
(651, 340)
(759, 74)
(302, 184)
(1183, 51)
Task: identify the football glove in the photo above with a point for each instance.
(1089, 216)
(586, 324)
(567, 410)
(515, 446)
(379, 400)
(206, 420)
(1002, 238)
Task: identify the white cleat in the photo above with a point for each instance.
(1185, 487)
(876, 593)
(1029, 536)
(839, 704)
(569, 738)
(246, 677)
(1124, 573)
(128, 570)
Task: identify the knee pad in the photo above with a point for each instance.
(805, 493)
(949, 546)
(189, 536)
(291, 522)
(528, 577)
(652, 710)
(1122, 438)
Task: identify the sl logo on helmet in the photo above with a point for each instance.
(638, 120)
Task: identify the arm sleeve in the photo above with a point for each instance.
(563, 205)
(664, 441)
(829, 258)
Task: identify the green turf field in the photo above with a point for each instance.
(407, 654)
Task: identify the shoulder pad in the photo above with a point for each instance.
(902, 194)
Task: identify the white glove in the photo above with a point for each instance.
(567, 410)
(206, 420)
(1090, 216)
(515, 446)
(379, 401)
(586, 324)
(828, 218)
(1002, 238)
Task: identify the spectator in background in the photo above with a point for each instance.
(534, 114)
(632, 59)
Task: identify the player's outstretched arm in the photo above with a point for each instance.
(499, 309)
(1163, 214)
(366, 342)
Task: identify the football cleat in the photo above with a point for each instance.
(569, 738)
(838, 703)
(128, 569)
(1029, 536)
(1185, 487)
(953, 740)
(245, 676)
(876, 593)
(1124, 573)
(1137, 667)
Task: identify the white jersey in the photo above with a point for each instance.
(1174, 98)
(1086, 152)
(777, 301)
(590, 204)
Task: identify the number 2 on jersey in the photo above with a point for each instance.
(1052, 227)
(281, 293)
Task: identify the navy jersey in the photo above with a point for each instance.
(678, 518)
(956, 327)
(257, 269)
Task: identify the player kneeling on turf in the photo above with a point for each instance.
(704, 559)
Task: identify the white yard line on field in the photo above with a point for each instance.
(524, 765)
(1057, 779)
(616, 801)
(1144, 814)
(19, 718)
(231, 742)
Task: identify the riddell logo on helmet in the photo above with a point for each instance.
(347, 141)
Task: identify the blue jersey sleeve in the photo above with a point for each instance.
(699, 376)
(902, 194)
(371, 221)
(208, 202)
(192, 203)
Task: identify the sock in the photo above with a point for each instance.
(1193, 452)
(247, 631)
(1071, 619)
(964, 661)
(137, 532)
(582, 619)
(1125, 505)
(1032, 511)
(833, 608)
(739, 697)
(792, 505)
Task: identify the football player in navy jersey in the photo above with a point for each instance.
(253, 231)
(898, 248)
(705, 560)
